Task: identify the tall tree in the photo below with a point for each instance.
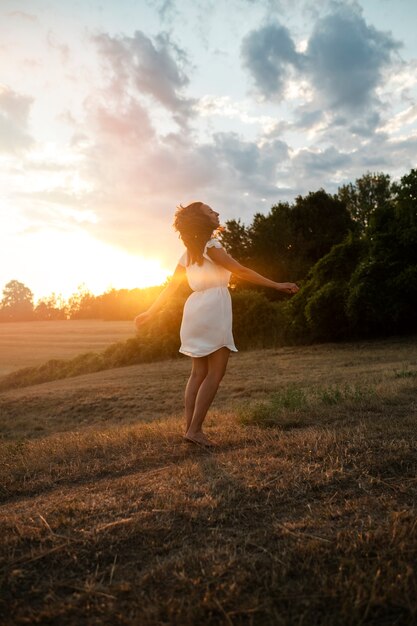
(50, 308)
(17, 302)
(271, 241)
(290, 239)
(82, 304)
(319, 221)
(236, 239)
(383, 288)
(369, 193)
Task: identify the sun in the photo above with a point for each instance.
(66, 260)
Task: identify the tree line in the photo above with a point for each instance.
(17, 304)
(353, 253)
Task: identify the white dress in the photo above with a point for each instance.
(207, 318)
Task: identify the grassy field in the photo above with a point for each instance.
(25, 344)
(304, 514)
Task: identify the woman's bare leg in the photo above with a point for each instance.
(199, 371)
(217, 363)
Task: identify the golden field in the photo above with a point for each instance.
(305, 513)
(26, 344)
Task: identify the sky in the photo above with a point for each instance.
(113, 112)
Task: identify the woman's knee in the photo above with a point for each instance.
(197, 376)
(215, 376)
(199, 367)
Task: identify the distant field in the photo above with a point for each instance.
(24, 344)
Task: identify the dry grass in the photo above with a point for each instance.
(27, 344)
(305, 514)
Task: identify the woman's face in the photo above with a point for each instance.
(213, 215)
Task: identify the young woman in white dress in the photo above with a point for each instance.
(206, 328)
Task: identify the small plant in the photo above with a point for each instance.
(335, 394)
(290, 398)
(278, 409)
(331, 395)
(405, 373)
(260, 412)
(294, 406)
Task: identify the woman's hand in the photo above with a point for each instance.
(142, 319)
(290, 288)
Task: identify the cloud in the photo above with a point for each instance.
(268, 54)
(138, 176)
(329, 167)
(126, 120)
(250, 165)
(62, 48)
(27, 17)
(317, 162)
(401, 82)
(14, 116)
(139, 173)
(131, 175)
(154, 68)
(401, 119)
(226, 107)
(345, 59)
(345, 62)
(134, 169)
(167, 9)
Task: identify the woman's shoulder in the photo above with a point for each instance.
(213, 243)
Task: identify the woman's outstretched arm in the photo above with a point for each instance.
(176, 280)
(220, 256)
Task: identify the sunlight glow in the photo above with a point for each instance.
(65, 256)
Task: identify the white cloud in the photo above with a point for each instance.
(22, 15)
(14, 121)
(225, 106)
(155, 67)
(337, 70)
(400, 120)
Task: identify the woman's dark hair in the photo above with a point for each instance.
(195, 229)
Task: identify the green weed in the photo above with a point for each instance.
(292, 405)
(405, 373)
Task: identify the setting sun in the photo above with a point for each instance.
(68, 256)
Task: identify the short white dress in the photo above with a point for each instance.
(207, 318)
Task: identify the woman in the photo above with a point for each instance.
(206, 328)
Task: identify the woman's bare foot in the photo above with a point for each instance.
(199, 438)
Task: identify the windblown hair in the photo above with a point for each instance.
(195, 229)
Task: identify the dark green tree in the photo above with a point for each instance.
(318, 222)
(236, 240)
(319, 311)
(271, 239)
(369, 193)
(286, 242)
(383, 288)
